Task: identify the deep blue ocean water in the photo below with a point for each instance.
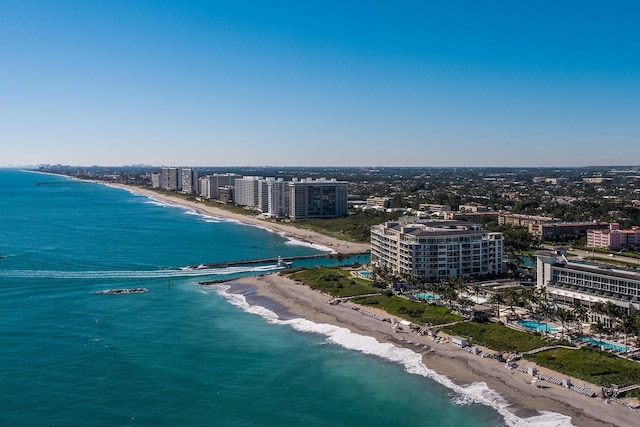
(179, 354)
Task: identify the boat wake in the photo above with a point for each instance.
(133, 274)
(476, 393)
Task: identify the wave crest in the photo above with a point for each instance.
(412, 362)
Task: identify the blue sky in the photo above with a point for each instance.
(320, 83)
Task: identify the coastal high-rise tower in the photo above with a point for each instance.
(317, 198)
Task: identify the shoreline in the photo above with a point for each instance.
(290, 300)
(316, 240)
(463, 369)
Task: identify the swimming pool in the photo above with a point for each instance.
(427, 296)
(527, 262)
(365, 274)
(537, 326)
(606, 345)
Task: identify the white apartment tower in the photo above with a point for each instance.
(277, 198)
(246, 191)
(155, 180)
(435, 250)
(188, 180)
(211, 184)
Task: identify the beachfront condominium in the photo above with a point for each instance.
(211, 184)
(434, 250)
(189, 180)
(246, 191)
(155, 179)
(170, 179)
(274, 197)
(568, 282)
(317, 198)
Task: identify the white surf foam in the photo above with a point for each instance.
(216, 219)
(412, 362)
(160, 203)
(295, 242)
(133, 274)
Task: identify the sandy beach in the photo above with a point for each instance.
(307, 236)
(295, 300)
(289, 300)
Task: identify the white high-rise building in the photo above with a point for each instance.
(246, 191)
(436, 249)
(188, 180)
(155, 180)
(277, 198)
(211, 184)
(263, 194)
(204, 187)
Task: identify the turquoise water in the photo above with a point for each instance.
(365, 274)
(537, 326)
(527, 262)
(427, 296)
(182, 354)
(605, 344)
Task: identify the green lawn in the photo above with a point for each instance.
(333, 282)
(413, 311)
(497, 337)
(355, 227)
(594, 366)
(347, 273)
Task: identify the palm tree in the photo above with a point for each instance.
(465, 303)
(598, 308)
(497, 298)
(529, 297)
(628, 326)
(450, 287)
(476, 289)
(615, 313)
(600, 329)
(580, 314)
(512, 298)
(543, 303)
(564, 316)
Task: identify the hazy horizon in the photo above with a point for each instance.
(441, 84)
(622, 167)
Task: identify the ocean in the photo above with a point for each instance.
(181, 353)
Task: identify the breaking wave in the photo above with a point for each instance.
(474, 393)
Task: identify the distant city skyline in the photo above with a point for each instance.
(285, 83)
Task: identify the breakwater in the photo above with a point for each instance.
(268, 260)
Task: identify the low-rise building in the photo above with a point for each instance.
(522, 220)
(613, 237)
(383, 202)
(473, 207)
(434, 207)
(481, 217)
(554, 230)
(569, 282)
(225, 194)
